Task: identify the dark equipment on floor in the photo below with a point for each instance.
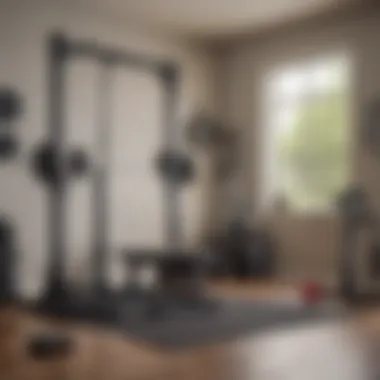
(360, 224)
(247, 253)
(359, 263)
(49, 346)
(176, 311)
(243, 252)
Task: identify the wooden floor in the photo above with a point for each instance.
(329, 351)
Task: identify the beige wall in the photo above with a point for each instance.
(24, 26)
(309, 245)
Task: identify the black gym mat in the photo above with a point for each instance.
(228, 319)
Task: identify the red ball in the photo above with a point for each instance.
(312, 292)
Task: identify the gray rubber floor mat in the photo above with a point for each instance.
(179, 327)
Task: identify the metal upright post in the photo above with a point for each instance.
(101, 180)
(171, 197)
(58, 50)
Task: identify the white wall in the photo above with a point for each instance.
(309, 246)
(24, 26)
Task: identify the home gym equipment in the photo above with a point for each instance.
(10, 109)
(206, 132)
(8, 146)
(211, 135)
(249, 253)
(10, 105)
(54, 164)
(371, 131)
(241, 251)
(7, 260)
(357, 216)
(46, 164)
(176, 311)
(175, 167)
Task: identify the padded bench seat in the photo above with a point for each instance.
(177, 271)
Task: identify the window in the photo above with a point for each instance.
(309, 118)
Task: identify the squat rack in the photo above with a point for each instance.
(61, 50)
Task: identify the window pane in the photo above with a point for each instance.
(309, 118)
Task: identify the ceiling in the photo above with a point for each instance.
(211, 18)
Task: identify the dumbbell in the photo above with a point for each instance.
(46, 163)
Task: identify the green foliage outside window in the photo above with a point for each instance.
(313, 152)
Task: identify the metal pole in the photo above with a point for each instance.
(171, 140)
(57, 194)
(100, 184)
